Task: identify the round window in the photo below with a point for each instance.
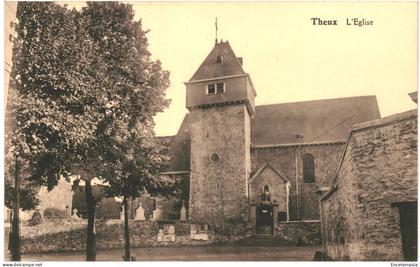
(214, 156)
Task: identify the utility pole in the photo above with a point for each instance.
(15, 233)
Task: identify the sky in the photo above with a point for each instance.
(289, 59)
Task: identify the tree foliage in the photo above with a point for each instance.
(86, 93)
(130, 154)
(28, 191)
(56, 101)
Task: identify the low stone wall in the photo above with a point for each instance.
(70, 235)
(300, 232)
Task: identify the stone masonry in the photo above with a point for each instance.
(218, 189)
(378, 169)
(278, 188)
(303, 201)
(70, 235)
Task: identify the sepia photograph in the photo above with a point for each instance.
(210, 131)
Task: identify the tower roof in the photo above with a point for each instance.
(220, 62)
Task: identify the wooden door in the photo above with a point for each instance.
(408, 226)
(265, 219)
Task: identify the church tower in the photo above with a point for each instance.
(220, 98)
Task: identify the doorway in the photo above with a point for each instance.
(265, 219)
(408, 226)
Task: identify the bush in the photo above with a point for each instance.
(53, 213)
(36, 218)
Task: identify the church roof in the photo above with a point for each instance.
(311, 121)
(211, 68)
(290, 123)
(179, 146)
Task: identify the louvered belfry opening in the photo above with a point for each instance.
(220, 88)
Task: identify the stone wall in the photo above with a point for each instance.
(299, 232)
(303, 200)
(70, 235)
(60, 197)
(218, 189)
(379, 168)
(338, 213)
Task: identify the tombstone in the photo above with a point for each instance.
(161, 235)
(157, 214)
(74, 216)
(10, 216)
(122, 214)
(140, 213)
(199, 232)
(36, 218)
(183, 216)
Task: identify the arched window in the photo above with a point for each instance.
(266, 189)
(265, 196)
(308, 168)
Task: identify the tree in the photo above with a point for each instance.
(132, 168)
(80, 77)
(130, 154)
(28, 194)
(56, 101)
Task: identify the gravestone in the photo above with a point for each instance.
(157, 214)
(75, 214)
(183, 216)
(199, 232)
(166, 233)
(122, 214)
(140, 214)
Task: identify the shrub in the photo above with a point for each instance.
(53, 213)
(36, 218)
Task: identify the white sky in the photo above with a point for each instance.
(289, 59)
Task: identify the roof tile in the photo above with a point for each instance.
(211, 68)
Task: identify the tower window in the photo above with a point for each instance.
(308, 168)
(211, 89)
(215, 88)
(220, 87)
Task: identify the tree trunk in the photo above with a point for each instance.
(91, 236)
(15, 234)
(127, 256)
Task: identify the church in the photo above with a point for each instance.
(257, 165)
(287, 174)
(255, 169)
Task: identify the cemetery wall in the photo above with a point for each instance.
(110, 234)
(300, 232)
